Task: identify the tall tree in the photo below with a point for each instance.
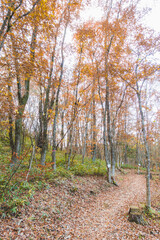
(141, 68)
(23, 86)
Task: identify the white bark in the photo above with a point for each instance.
(148, 192)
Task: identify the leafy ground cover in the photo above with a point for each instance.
(18, 186)
(72, 204)
(85, 207)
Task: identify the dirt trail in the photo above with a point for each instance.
(105, 218)
(85, 208)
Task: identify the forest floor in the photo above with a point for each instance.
(85, 208)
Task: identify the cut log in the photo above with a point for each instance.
(135, 215)
(134, 209)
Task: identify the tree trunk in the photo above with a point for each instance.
(70, 145)
(18, 136)
(94, 123)
(43, 155)
(18, 131)
(85, 136)
(108, 165)
(70, 142)
(125, 130)
(10, 118)
(110, 137)
(104, 116)
(54, 147)
(107, 103)
(22, 98)
(113, 162)
(62, 128)
(148, 193)
(44, 141)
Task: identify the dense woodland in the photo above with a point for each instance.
(75, 87)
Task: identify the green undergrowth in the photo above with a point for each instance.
(88, 168)
(151, 214)
(17, 191)
(128, 166)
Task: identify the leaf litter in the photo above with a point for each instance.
(85, 208)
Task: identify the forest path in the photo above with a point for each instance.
(85, 208)
(106, 217)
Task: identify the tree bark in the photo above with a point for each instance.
(94, 122)
(70, 142)
(148, 192)
(62, 128)
(85, 136)
(22, 100)
(104, 116)
(125, 130)
(54, 146)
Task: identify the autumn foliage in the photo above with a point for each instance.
(72, 84)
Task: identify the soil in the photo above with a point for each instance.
(86, 208)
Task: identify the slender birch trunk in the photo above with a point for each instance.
(54, 131)
(94, 123)
(104, 116)
(70, 142)
(85, 136)
(148, 191)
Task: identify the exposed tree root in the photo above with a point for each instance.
(114, 182)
